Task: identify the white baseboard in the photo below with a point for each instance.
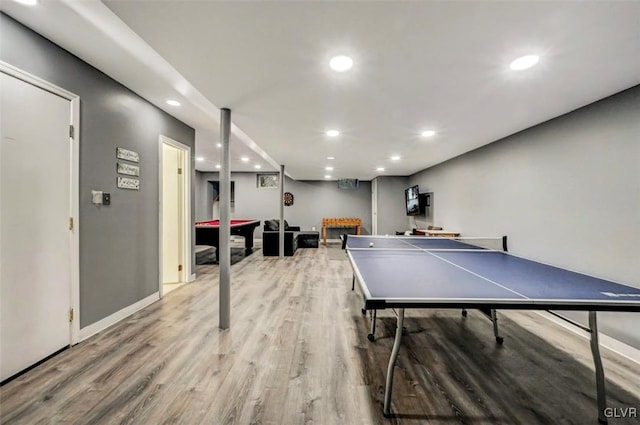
(103, 324)
(606, 341)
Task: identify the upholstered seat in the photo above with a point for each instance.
(274, 225)
(293, 238)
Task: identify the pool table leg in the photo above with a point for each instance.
(248, 244)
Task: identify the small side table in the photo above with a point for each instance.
(443, 233)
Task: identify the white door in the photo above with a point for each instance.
(171, 214)
(374, 206)
(35, 247)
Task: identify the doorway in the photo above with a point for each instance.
(213, 198)
(39, 271)
(175, 215)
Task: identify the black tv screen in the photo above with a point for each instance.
(412, 199)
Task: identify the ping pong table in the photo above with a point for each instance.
(430, 272)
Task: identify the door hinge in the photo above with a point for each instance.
(71, 315)
(70, 223)
(179, 170)
(71, 132)
(179, 267)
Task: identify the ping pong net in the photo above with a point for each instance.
(422, 243)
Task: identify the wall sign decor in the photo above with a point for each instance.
(288, 199)
(127, 183)
(128, 155)
(128, 169)
(268, 181)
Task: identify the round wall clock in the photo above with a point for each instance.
(288, 199)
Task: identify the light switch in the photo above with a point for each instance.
(96, 197)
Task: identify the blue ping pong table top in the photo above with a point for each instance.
(429, 272)
(406, 243)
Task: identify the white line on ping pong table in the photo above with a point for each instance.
(478, 275)
(356, 271)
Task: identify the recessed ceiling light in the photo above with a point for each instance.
(217, 165)
(257, 166)
(341, 63)
(331, 157)
(327, 176)
(199, 158)
(380, 169)
(524, 62)
(333, 133)
(28, 2)
(428, 133)
(244, 159)
(328, 168)
(173, 102)
(219, 145)
(395, 158)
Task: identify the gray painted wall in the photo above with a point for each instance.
(566, 192)
(313, 200)
(317, 199)
(119, 257)
(392, 214)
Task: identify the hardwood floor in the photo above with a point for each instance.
(297, 353)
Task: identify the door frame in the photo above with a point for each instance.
(374, 206)
(74, 183)
(186, 209)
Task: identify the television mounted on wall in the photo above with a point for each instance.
(412, 200)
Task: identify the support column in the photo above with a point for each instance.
(281, 227)
(224, 260)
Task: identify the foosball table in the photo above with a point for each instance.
(339, 222)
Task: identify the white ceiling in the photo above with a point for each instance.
(417, 65)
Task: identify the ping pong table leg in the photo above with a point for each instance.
(595, 351)
(372, 334)
(494, 319)
(392, 363)
(353, 288)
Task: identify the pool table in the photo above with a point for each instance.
(208, 233)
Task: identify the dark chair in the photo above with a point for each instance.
(293, 238)
(274, 226)
(271, 243)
